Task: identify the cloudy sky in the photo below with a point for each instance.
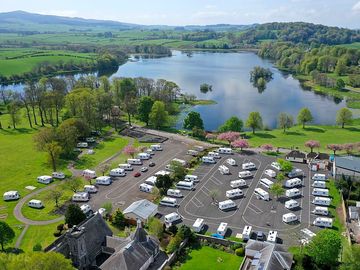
(344, 13)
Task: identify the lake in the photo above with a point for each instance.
(229, 74)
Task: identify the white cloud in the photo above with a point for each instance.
(356, 7)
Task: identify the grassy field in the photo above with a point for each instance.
(208, 258)
(335, 203)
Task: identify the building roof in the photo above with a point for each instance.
(296, 154)
(348, 162)
(143, 209)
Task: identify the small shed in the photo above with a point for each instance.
(296, 156)
(141, 210)
(353, 213)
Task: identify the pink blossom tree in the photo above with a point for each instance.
(210, 136)
(348, 147)
(267, 147)
(229, 136)
(241, 143)
(130, 150)
(334, 147)
(312, 144)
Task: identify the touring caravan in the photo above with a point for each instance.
(103, 180)
(58, 175)
(214, 155)
(126, 167)
(162, 173)
(134, 161)
(198, 225)
(291, 204)
(272, 236)
(167, 201)
(174, 193)
(90, 140)
(224, 170)
(296, 173)
(185, 185)
(231, 161)
(245, 174)
(193, 153)
(146, 188)
(89, 174)
(323, 222)
(227, 205)
(11, 195)
(81, 197)
(143, 156)
(292, 193)
(321, 210)
(221, 230)
(246, 234)
(208, 159)
(90, 188)
(117, 172)
(248, 166)
(295, 182)
(276, 165)
(181, 161)
(322, 201)
(172, 217)
(320, 192)
(225, 150)
(199, 148)
(156, 147)
(234, 193)
(35, 204)
(261, 194)
(45, 179)
(319, 177)
(266, 182)
(86, 209)
(190, 177)
(289, 217)
(82, 145)
(238, 183)
(151, 180)
(270, 173)
(319, 184)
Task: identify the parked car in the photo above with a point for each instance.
(137, 174)
(260, 236)
(151, 164)
(144, 169)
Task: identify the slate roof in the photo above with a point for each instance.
(142, 208)
(296, 154)
(348, 162)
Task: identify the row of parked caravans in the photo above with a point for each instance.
(247, 232)
(47, 179)
(319, 221)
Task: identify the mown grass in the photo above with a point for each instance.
(335, 203)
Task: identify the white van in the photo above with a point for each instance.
(246, 234)
(150, 152)
(320, 192)
(208, 159)
(146, 188)
(276, 165)
(172, 217)
(167, 201)
(89, 174)
(295, 173)
(86, 209)
(103, 180)
(261, 194)
(45, 179)
(221, 230)
(289, 217)
(117, 172)
(81, 197)
(291, 204)
(162, 173)
(322, 201)
(321, 210)
(214, 155)
(35, 204)
(156, 147)
(181, 161)
(272, 236)
(11, 195)
(198, 225)
(227, 205)
(234, 193)
(295, 182)
(151, 180)
(270, 173)
(291, 193)
(185, 185)
(190, 177)
(223, 169)
(248, 166)
(319, 177)
(58, 175)
(225, 150)
(266, 182)
(193, 153)
(231, 161)
(90, 188)
(143, 156)
(319, 184)
(82, 145)
(323, 222)
(238, 183)
(245, 174)
(174, 193)
(126, 167)
(134, 161)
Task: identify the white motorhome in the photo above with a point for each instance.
(151, 180)
(198, 225)
(150, 152)
(199, 148)
(143, 156)
(134, 161)
(35, 204)
(272, 236)
(323, 222)
(146, 188)
(321, 210)
(319, 184)
(245, 174)
(223, 169)
(81, 197)
(319, 177)
(90, 188)
(322, 201)
(231, 161)
(248, 166)
(227, 205)
(126, 167)
(246, 234)
(214, 154)
(11, 195)
(261, 194)
(172, 217)
(169, 168)
(225, 150)
(117, 172)
(208, 159)
(295, 173)
(294, 182)
(90, 140)
(162, 172)
(89, 173)
(238, 183)
(193, 153)
(266, 182)
(291, 204)
(289, 217)
(156, 147)
(234, 193)
(320, 192)
(185, 185)
(44, 179)
(82, 145)
(270, 173)
(167, 201)
(221, 230)
(291, 193)
(276, 165)
(174, 193)
(86, 209)
(103, 180)
(58, 175)
(191, 177)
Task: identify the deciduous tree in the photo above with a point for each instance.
(193, 119)
(229, 136)
(158, 114)
(130, 150)
(144, 108)
(304, 116)
(312, 144)
(334, 147)
(254, 121)
(55, 194)
(343, 116)
(7, 234)
(74, 215)
(242, 143)
(232, 124)
(285, 121)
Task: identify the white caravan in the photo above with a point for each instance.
(198, 225)
(231, 161)
(289, 217)
(320, 192)
(248, 166)
(245, 174)
(146, 188)
(323, 222)
(291, 204)
(156, 147)
(319, 177)
(199, 148)
(225, 150)
(234, 193)
(261, 194)
(162, 173)
(272, 236)
(86, 209)
(276, 165)
(90, 140)
(295, 182)
(321, 210)
(44, 179)
(193, 153)
(214, 155)
(35, 204)
(322, 201)
(221, 230)
(224, 170)
(185, 185)
(181, 161)
(292, 193)
(143, 156)
(11, 195)
(266, 182)
(208, 159)
(295, 173)
(103, 180)
(89, 174)
(82, 145)
(134, 161)
(151, 180)
(126, 167)
(117, 172)
(58, 175)
(90, 188)
(227, 205)
(238, 183)
(270, 173)
(319, 184)
(174, 193)
(167, 201)
(246, 234)
(81, 197)
(191, 177)
(172, 217)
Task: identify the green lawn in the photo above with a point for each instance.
(207, 258)
(335, 203)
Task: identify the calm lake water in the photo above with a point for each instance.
(229, 75)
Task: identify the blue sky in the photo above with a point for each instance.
(344, 13)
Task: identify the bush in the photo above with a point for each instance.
(240, 252)
(37, 247)
(57, 234)
(173, 229)
(60, 227)
(236, 246)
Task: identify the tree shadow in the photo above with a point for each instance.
(353, 129)
(314, 129)
(295, 133)
(263, 135)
